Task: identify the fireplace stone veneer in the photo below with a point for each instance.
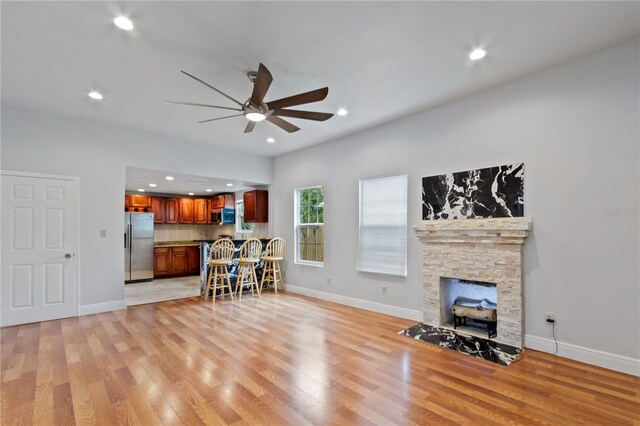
(487, 250)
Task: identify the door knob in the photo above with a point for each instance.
(67, 255)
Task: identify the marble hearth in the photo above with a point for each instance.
(488, 250)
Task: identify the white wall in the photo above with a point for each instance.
(575, 126)
(99, 154)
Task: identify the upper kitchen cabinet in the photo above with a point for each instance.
(224, 201)
(136, 200)
(172, 210)
(256, 206)
(201, 211)
(186, 210)
(158, 209)
(137, 203)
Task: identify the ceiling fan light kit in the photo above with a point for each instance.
(255, 109)
(255, 116)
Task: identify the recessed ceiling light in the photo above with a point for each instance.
(153, 185)
(140, 190)
(477, 54)
(343, 112)
(168, 177)
(271, 140)
(123, 23)
(229, 184)
(95, 95)
(191, 193)
(208, 189)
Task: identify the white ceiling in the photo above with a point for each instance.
(181, 184)
(381, 60)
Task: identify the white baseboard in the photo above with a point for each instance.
(357, 303)
(97, 308)
(580, 353)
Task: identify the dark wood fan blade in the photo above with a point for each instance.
(261, 85)
(211, 87)
(250, 126)
(305, 115)
(202, 105)
(302, 98)
(284, 125)
(220, 118)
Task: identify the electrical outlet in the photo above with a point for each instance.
(384, 290)
(549, 317)
(328, 281)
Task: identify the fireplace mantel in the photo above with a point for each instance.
(488, 250)
(509, 230)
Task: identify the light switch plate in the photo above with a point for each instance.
(103, 233)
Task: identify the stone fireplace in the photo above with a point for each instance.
(481, 250)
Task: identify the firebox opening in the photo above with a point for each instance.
(472, 294)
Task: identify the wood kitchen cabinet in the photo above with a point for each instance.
(224, 201)
(256, 206)
(176, 261)
(161, 262)
(137, 203)
(193, 260)
(201, 211)
(186, 210)
(179, 264)
(139, 200)
(171, 210)
(158, 209)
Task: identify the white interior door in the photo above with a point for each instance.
(38, 278)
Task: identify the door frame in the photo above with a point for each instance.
(76, 226)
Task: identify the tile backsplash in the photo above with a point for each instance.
(163, 233)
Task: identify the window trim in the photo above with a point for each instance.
(296, 224)
(406, 252)
(238, 229)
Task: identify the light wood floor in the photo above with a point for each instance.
(282, 360)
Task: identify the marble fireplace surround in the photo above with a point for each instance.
(488, 250)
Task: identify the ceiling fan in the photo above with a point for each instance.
(256, 109)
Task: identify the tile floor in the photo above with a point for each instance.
(161, 290)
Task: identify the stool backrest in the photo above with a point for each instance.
(222, 249)
(275, 248)
(251, 249)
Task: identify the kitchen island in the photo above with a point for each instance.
(233, 267)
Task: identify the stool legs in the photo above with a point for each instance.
(247, 273)
(270, 275)
(218, 279)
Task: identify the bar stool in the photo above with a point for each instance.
(220, 256)
(247, 259)
(273, 254)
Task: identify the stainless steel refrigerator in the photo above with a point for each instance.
(138, 247)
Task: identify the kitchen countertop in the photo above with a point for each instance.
(194, 243)
(189, 243)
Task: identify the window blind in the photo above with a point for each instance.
(383, 225)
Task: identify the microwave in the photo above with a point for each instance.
(223, 216)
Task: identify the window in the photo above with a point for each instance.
(383, 225)
(241, 226)
(309, 225)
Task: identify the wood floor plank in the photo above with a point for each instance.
(283, 359)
